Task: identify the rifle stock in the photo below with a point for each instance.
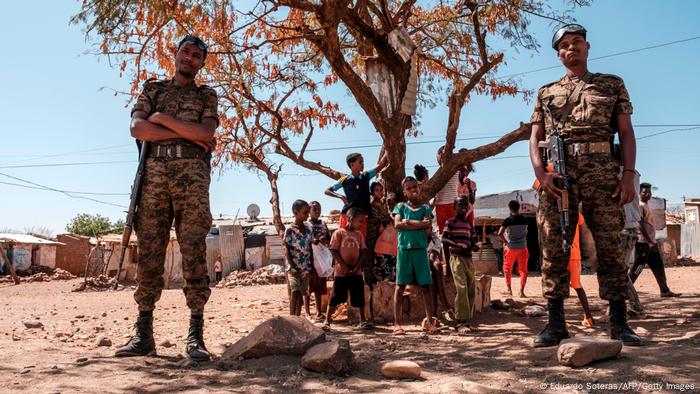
(133, 208)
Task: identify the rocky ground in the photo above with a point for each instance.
(71, 348)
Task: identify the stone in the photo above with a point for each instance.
(81, 360)
(167, 343)
(102, 340)
(333, 358)
(401, 369)
(533, 311)
(33, 324)
(580, 351)
(292, 335)
(499, 305)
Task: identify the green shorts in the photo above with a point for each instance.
(297, 283)
(413, 267)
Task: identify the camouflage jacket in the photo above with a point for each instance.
(195, 104)
(592, 119)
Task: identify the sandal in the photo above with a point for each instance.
(366, 325)
(326, 327)
(319, 318)
(588, 323)
(433, 330)
(398, 330)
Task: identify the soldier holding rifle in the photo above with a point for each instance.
(582, 111)
(176, 120)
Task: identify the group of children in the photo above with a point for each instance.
(382, 240)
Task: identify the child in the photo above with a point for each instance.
(412, 220)
(348, 247)
(321, 235)
(218, 269)
(459, 236)
(356, 187)
(516, 246)
(421, 173)
(378, 220)
(437, 289)
(575, 274)
(297, 242)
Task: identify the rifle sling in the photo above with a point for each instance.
(573, 99)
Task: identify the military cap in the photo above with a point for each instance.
(571, 28)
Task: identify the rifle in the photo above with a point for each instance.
(557, 154)
(133, 207)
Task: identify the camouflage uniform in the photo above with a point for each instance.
(174, 189)
(593, 179)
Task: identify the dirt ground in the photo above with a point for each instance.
(62, 356)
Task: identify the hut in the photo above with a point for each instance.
(26, 250)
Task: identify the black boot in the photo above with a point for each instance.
(618, 325)
(142, 343)
(195, 340)
(555, 331)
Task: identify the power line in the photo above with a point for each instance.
(67, 193)
(667, 131)
(69, 164)
(604, 56)
(68, 153)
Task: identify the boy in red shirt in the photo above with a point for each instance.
(348, 249)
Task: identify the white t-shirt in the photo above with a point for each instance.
(449, 192)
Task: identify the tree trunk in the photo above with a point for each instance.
(275, 202)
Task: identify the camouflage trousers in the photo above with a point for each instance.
(173, 190)
(593, 180)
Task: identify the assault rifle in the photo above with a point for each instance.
(133, 207)
(557, 155)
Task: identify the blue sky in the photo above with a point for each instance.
(54, 111)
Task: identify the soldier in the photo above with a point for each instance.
(588, 125)
(178, 119)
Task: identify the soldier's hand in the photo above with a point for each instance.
(625, 190)
(549, 186)
(208, 146)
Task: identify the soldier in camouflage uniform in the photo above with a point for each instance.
(596, 181)
(177, 118)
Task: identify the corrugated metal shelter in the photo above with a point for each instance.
(26, 250)
(690, 239)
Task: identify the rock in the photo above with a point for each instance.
(33, 324)
(167, 343)
(330, 357)
(104, 314)
(580, 351)
(81, 360)
(102, 340)
(280, 335)
(533, 311)
(401, 369)
(499, 305)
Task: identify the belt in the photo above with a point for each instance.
(176, 152)
(587, 148)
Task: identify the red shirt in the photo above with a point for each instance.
(349, 244)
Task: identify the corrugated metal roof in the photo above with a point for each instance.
(26, 239)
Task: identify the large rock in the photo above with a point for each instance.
(280, 335)
(580, 351)
(330, 357)
(413, 300)
(533, 311)
(401, 369)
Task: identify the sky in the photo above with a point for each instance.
(64, 128)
